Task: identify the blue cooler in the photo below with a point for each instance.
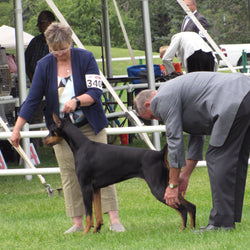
(141, 71)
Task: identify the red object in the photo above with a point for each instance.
(177, 67)
(124, 139)
(163, 70)
(224, 52)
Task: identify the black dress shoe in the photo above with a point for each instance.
(211, 228)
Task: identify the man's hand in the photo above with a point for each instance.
(183, 184)
(171, 194)
(171, 197)
(185, 175)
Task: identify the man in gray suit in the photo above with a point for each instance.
(205, 103)
(188, 24)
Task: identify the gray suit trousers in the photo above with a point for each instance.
(227, 168)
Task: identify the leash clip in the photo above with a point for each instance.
(49, 189)
(61, 115)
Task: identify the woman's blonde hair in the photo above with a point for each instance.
(58, 33)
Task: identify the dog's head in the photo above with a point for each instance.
(55, 132)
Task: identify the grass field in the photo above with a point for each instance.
(120, 67)
(30, 219)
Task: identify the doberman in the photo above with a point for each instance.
(98, 165)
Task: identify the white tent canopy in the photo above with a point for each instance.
(8, 37)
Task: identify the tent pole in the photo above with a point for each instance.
(21, 70)
(149, 62)
(107, 42)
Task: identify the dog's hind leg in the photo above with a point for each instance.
(191, 209)
(182, 210)
(98, 210)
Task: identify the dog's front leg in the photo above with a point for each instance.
(87, 200)
(89, 221)
(98, 210)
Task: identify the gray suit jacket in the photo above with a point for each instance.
(199, 103)
(191, 25)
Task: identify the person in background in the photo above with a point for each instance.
(62, 77)
(192, 51)
(177, 66)
(37, 49)
(188, 24)
(205, 103)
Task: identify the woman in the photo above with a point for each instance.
(67, 78)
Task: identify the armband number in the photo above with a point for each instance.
(94, 81)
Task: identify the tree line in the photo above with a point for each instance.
(229, 20)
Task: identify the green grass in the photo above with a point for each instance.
(30, 219)
(120, 67)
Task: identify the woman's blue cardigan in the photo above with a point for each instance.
(45, 84)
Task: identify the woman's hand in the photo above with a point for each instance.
(15, 138)
(69, 106)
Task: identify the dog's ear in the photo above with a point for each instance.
(57, 120)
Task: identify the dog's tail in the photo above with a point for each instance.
(164, 152)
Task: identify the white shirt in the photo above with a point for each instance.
(183, 45)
